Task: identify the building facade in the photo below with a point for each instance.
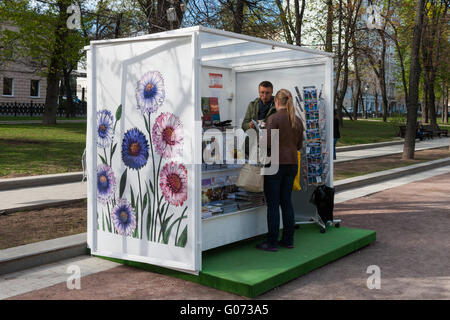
(20, 84)
(19, 81)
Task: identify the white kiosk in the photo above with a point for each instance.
(144, 141)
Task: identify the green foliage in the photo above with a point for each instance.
(33, 32)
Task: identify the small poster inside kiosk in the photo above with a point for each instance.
(144, 136)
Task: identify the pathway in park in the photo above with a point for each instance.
(388, 150)
(411, 218)
(21, 198)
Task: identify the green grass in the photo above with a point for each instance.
(363, 131)
(438, 120)
(34, 149)
(25, 118)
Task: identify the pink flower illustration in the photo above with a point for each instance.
(173, 183)
(168, 136)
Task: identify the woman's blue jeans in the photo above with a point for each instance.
(278, 191)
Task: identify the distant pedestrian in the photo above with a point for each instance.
(337, 133)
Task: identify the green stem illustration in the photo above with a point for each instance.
(141, 202)
(179, 222)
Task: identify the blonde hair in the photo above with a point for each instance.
(284, 98)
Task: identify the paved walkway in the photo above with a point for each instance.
(387, 150)
(412, 234)
(39, 196)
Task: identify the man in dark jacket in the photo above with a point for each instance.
(260, 108)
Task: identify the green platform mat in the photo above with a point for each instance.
(241, 269)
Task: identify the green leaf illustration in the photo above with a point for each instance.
(146, 124)
(151, 187)
(103, 159)
(144, 205)
(113, 150)
(166, 235)
(133, 204)
(182, 239)
(118, 112)
(123, 183)
(164, 224)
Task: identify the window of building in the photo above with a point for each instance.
(8, 86)
(34, 89)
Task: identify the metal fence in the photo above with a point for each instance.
(37, 109)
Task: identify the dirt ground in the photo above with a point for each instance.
(25, 227)
(37, 225)
(411, 221)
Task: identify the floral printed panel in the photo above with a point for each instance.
(146, 198)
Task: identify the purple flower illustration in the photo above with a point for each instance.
(124, 218)
(106, 183)
(134, 149)
(150, 92)
(105, 128)
(168, 135)
(173, 183)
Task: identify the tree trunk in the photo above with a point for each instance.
(69, 104)
(358, 79)
(284, 22)
(432, 106)
(382, 76)
(117, 27)
(425, 101)
(357, 99)
(51, 98)
(414, 77)
(384, 97)
(238, 20)
(363, 107)
(329, 33)
(299, 20)
(445, 105)
(349, 32)
(339, 62)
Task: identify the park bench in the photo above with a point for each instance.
(424, 133)
(438, 132)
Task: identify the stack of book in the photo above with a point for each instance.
(226, 206)
(246, 199)
(209, 211)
